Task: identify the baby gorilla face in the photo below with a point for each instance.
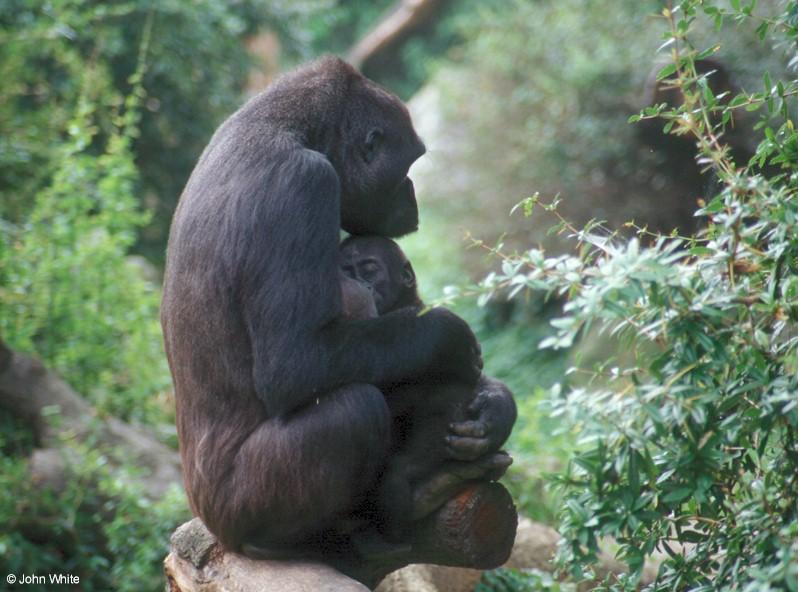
(379, 264)
(368, 268)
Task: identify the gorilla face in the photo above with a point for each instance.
(403, 218)
(370, 271)
(379, 264)
(377, 197)
(357, 298)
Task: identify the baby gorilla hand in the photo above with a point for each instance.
(491, 416)
(459, 354)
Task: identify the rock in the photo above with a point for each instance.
(534, 547)
(197, 564)
(476, 528)
(230, 572)
(193, 542)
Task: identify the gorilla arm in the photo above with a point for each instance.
(301, 316)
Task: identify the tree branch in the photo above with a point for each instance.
(404, 17)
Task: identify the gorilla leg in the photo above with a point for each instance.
(296, 475)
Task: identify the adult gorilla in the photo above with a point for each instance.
(279, 428)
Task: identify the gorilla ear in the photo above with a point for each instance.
(372, 144)
(408, 275)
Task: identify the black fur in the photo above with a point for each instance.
(438, 425)
(279, 429)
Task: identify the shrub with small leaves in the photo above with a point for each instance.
(514, 580)
(688, 446)
(70, 292)
(101, 527)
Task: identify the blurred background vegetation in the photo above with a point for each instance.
(105, 107)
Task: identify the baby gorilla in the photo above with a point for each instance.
(445, 433)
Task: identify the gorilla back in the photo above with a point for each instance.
(278, 428)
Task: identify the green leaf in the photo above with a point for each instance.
(701, 251)
(668, 70)
(692, 536)
(738, 100)
(677, 495)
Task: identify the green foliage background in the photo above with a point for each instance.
(685, 447)
(106, 106)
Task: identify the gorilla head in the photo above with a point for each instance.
(366, 134)
(383, 147)
(380, 264)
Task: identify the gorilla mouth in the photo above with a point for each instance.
(406, 187)
(393, 215)
(406, 218)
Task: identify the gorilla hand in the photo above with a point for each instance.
(491, 414)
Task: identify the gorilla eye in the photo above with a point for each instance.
(372, 144)
(369, 269)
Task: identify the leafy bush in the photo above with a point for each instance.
(70, 292)
(513, 580)
(197, 69)
(101, 528)
(689, 448)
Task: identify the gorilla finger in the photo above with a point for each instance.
(499, 460)
(474, 429)
(495, 474)
(476, 406)
(466, 448)
(462, 456)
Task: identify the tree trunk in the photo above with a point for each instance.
(403, 18)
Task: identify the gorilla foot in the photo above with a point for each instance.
(372, 546)
(319, 546)
(452, 477)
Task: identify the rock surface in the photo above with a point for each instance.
(196, 564)
(476, 528)
(534, 547)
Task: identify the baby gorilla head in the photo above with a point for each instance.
(379, 264)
